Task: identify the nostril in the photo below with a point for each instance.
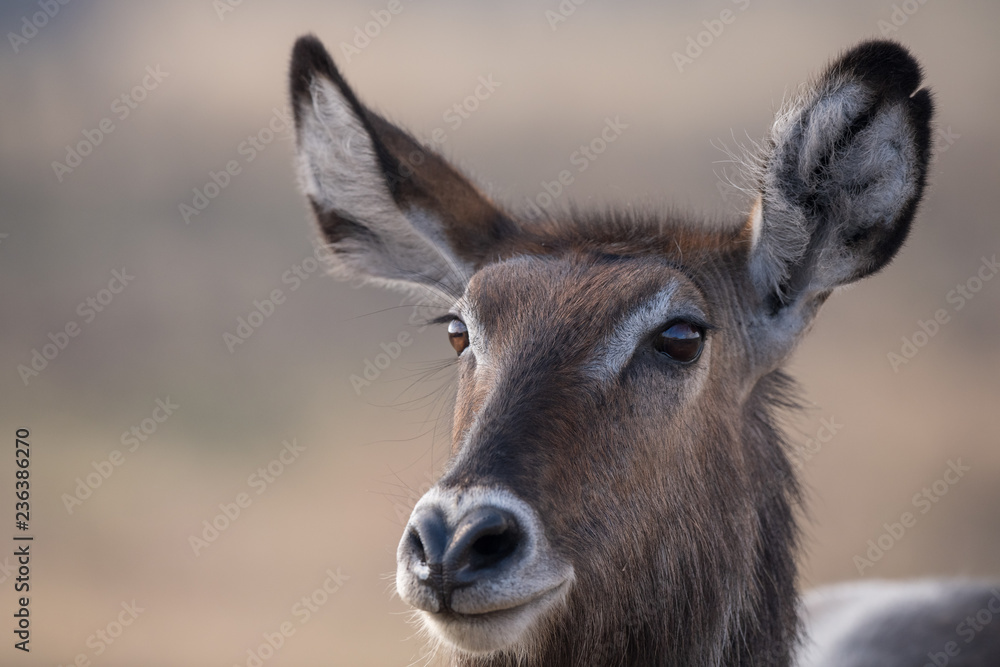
(417, 546)
(491, 549)
(484, 539)
(427, 539)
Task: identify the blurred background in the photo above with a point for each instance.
(132, 263)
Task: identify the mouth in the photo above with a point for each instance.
(489, 627)
(477, 565)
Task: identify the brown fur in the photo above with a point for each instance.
(666, 486)
(658, 498)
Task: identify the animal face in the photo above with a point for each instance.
(617, 485)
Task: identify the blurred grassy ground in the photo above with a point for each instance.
(342, 503)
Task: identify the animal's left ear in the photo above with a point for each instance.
(841, 181)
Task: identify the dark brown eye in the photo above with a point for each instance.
(458, 334)
(681, 341)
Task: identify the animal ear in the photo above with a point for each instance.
(841, 178)
(392, 211)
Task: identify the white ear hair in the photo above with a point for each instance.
(339, 170)
(756, 221)
(338, 167)
(841, 175)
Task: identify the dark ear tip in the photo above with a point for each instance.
(885, 65)
(309, 57)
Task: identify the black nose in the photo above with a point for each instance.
(477, 546)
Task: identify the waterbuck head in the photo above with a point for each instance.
(618, 491)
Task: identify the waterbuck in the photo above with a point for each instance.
(619, 492)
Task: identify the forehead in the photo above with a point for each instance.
(578, 288)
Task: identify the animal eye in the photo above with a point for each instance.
(458, 334)
(681, 341)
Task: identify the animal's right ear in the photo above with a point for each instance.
(392, 211)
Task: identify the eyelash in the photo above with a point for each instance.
(444, 319)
